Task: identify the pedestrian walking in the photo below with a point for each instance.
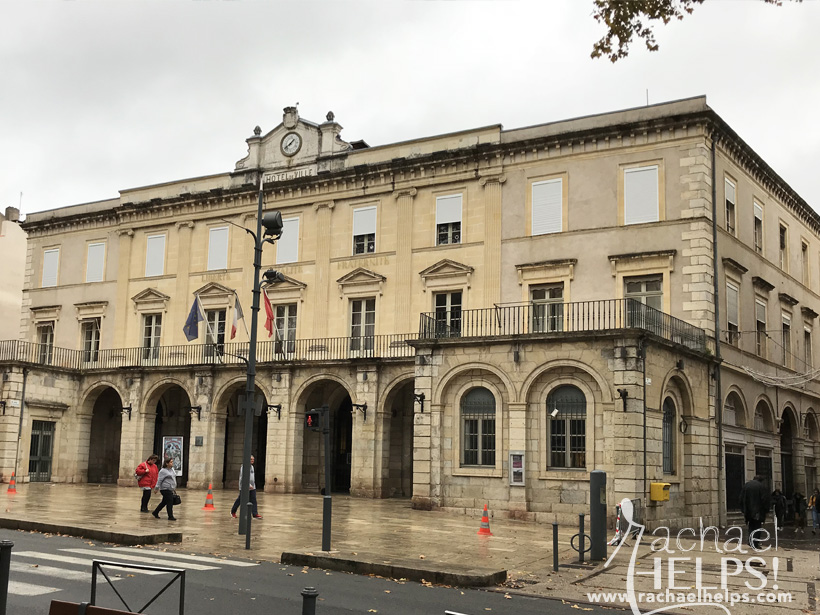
(799, 513)
(780, 505)
(167, 484)
(251, 493)
(814, 505)
(146, 474)
(754, 504)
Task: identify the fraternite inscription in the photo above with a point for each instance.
(363, 262)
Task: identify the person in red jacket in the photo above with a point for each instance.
(147, 473)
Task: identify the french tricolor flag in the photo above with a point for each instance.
(237, 316)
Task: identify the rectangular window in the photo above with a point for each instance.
(567, 439)
(215, 333)
(807, 352)
(758, 229)
(154, 255)
(732, 313)
(448, 219)
(787, 341)
(95, 262)
(218, 248)
(364, 230)
(45, 341)
(448, 314)
(547, 308)
(285, 323)
(784, 248)
(804, 259)
(152, 330)
(287, 246)
(51, 266)
(90, 332)
(362, 324)
(760, 327)
(547, 206)
(478, 427)
(645, 291)
(641, 196)
(730, 207)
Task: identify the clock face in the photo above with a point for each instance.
(291, 143)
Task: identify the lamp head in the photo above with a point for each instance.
(554, 412)
(271, 276)
(272, 221)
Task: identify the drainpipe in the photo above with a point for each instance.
(643, 385)
(20, 425)
(718, 392)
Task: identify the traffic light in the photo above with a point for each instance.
(313, 420)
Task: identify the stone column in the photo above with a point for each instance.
(426, 478)
(181, 303)
(133, 442)
(492, 238)
(11, 388)
(404, 258)
(283, 465)
(517, 437)
(364, 478)
(320, 305)
(123, 286)
(200, 458)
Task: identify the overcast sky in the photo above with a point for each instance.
(99, 96)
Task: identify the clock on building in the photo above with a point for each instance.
(291, 143)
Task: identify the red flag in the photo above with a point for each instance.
(268, 314)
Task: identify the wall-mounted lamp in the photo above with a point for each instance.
(3, 405)
(278, 408)
(516, 356)
(623, 394)
(422, 359)
(419, 399)
(195, 410)
(127, 410)
(363, 408)
(278, 377)
(679, 364)
(554, 412)
(5, 376)
(683, 426)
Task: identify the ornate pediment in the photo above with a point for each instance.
(90, 309)
(360, 282)
(46, 312)
(446, 273)
(215, 296)
(286, 291)
(150, 300)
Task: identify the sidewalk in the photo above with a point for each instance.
(389, 538)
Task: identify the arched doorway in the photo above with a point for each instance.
(788, 431)
(234, 423)
(104, 440)
(337, 399)
(734, 421)
(172, 429)
(397, 428)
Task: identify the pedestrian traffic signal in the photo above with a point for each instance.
(313, 420)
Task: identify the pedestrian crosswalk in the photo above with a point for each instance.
(34, 573)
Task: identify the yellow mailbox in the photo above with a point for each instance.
(659, 492)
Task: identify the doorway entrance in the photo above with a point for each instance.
(39, 460)
(340, 415)
(172, 430)
(106, 433)
(735, 475)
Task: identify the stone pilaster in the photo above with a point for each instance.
(404, 257)
(364, 476)
(426, 440)
(181, 303)
(11, 387)
(517, 438)
(126, 237)
(137, 433)
(492, 238)
(320, 314)
(200, 458)
(283, 467)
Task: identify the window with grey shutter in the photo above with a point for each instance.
(641, 202)
(364, 230)
(448, 219)
(154, 255)
(51, 265)
(547, 207)
(218, 248)
(732, 313)
(95, 263)
(287, 246)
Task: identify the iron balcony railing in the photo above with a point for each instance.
(320, 349)
(559, 318)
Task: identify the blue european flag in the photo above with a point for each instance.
(191, 328)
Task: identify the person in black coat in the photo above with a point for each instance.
(780, 505)
(754, 504)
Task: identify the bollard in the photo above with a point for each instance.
(597, 515)
(5, 564)
(581, 538)
(248, 533)
(309, 595)
(555, 547)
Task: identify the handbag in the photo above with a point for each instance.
(177, 499)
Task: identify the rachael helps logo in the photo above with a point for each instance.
(741, 574)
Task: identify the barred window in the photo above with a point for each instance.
(668, 436)
(567, 412)
(478, 428)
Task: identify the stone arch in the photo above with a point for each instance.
(603, 386)
(104, 419)
(763, 412)
(227, 389)
(811, 426)
(734, 408)
(459, 370)
(677, 384)
(458, 394)
(789, 430)
(165, 415)
(92, 392)
(299, 395)
(155, 391)
(394, 430)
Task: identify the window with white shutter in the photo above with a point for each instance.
(287, 246)
(731, 199)
(758, 228)
(547, 207)
(641, 200)
(51, 266)
(364, 230)
(732, 313)
(95, 262)
(448, 219)
(154, 255)
(218, 248)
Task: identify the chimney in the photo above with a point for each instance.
(12, 214)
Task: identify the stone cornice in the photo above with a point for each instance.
(787, 299)
(762, 284)
(734, 265)
(410, 192)
(808, 313)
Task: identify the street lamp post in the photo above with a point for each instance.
(273, 226)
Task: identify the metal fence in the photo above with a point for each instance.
(558, 318)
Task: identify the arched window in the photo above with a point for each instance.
(478, 428)
(567, 416)
(668, 436)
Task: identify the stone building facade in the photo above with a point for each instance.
(488, 315)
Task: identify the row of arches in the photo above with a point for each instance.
(735, 414)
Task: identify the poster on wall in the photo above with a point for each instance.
(172, 449)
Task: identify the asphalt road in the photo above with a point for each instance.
(48, 567)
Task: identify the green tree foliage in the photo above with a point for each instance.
(626, 19)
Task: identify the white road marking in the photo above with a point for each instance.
(82, 561)
(185, 556)
(137, 559)
(27, 589)
(51, 571)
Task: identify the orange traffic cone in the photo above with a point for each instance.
(12, 485)
(484, 530)
(209, 499)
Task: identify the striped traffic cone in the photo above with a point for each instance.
(12, 485)
(484, 530)
(209, 499)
